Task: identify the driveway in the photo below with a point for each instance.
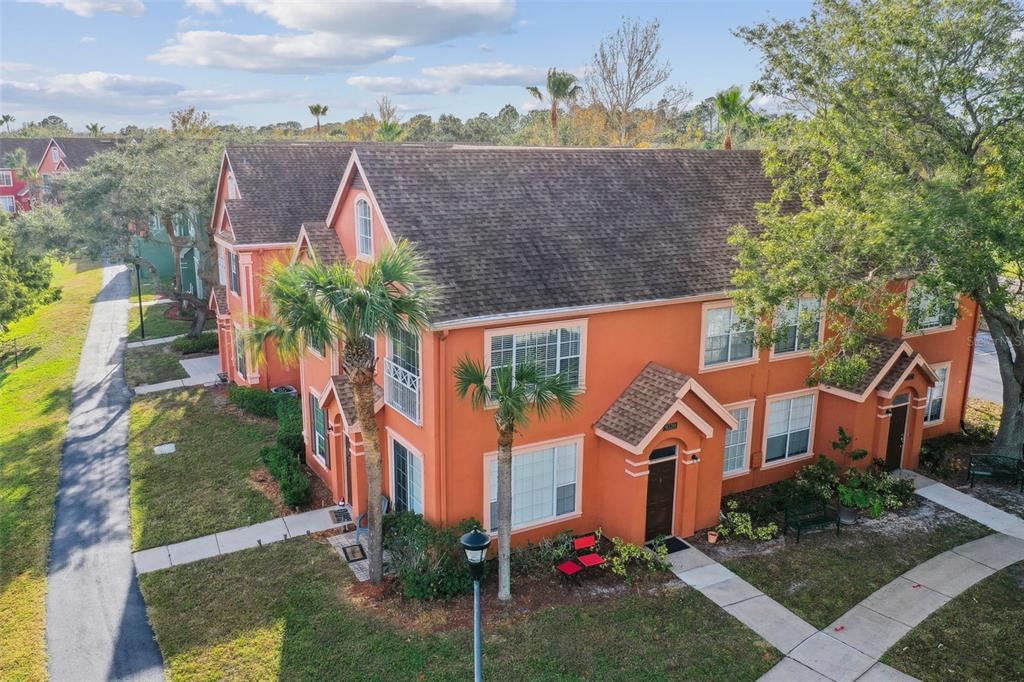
(96, 626)
(985, 380)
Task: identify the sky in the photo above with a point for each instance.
(254, 62)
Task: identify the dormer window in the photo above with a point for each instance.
(54, 154)
(232, 187)
(364, 229)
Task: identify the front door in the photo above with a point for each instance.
(897, 433)
(661, 489)
(348, 470)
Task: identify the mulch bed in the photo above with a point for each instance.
(319, 493)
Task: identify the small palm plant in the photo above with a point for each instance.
(315, 305)
(95, 129)
(27, 172)
(561, 87)
(733, 111)
(6, 120)
(514, 393)
(318, 110)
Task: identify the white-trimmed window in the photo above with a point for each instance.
(364, 229)
(240, 352)
(235, 280)
(737, 442)
(47, 183)
(928, 313)
(402, 375)
(6, 179)
(936, 406)
(726, 337)
(7, 203)
(799, 325)
(54, 154)
(232, 187)
(544, 485)
(222, 267)
(407, 478)
(555, 350)
(789, 428)
(318, 418)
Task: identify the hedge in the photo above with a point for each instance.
(284, 466)
(206, 342)
(255, 401)
(289, 430)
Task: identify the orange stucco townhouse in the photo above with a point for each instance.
(613, 266)
(264, 192)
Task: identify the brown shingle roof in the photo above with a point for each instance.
(347, 400)
(34, 148)
(283, 185)
(220, 297)
(642, 405)
(515, 229)
(78, 150)
(324, 241)
(886, 347)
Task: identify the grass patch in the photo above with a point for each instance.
(152, 364)
(976, 636)
(157, 326)
(35, 401)
(825, 575)
(204, 487)
(284, 611)
(148, 289)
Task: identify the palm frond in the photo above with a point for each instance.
(535, 91)
(471, 379)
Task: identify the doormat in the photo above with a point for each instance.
(341, 515)
(672, 544)
(353, 553)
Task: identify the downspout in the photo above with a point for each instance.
(970, 364)
(441, 439)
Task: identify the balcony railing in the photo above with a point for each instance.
(402, 390)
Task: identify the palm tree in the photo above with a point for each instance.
(95, 129)
(316, 304)
(514, 393)
(733, 111)
(25, 171)
(318, 110)
(7, 120)
(561, 88)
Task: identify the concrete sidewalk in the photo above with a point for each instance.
(202, 371)
(226, 542)
(966, 505)
(154, 342)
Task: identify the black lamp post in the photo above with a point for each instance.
(142, 318)
(476, 543)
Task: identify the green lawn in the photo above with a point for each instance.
(35, 401)
(157, 326)
(824, 576)
(976, 636)
(281, 612)
(203, 487)
(152, 364)
(148, 289)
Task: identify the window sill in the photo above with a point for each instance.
(736, 474)
(937, 422)
(789, 355)
(932, 330)
(728, 365)
(540, 524)
(579, 394)
(786, 460)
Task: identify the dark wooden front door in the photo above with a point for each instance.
(661, 488)
(348, 470)
(897, 434)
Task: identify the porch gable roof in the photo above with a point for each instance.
(340, 389)
(218, 300)
(886, 370)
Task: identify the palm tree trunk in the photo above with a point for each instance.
(727, 142)
(318, 126)
(504, 515)
(554, 124)
(362, 391)
(1009, 345)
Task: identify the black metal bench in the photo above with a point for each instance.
(812, 513)
(996, 468)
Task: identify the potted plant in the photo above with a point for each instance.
(713, 535)
(848, 504)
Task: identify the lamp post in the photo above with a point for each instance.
(476, 543)
(142, 318)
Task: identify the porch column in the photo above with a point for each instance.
(686, 513)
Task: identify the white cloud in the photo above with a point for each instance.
(113, 93)
(327, 36)
(399, 59)
(88, 8)
(484, 47)
(443, 80)
(87, 39)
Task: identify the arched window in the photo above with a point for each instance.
(364, 229)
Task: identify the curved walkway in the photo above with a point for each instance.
(96, 626)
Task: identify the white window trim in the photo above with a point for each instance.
(13, 203)
(745, 469)
(222, 266)
(312, 429)
(945, 394)
(490, 457)
(908, 333)
(9, 175)
(778, 397)
(393, 438)
(362, 197)
(54, 154)
(233, 259)
(419, 378)
(245, 355)
(773, 355)
(704, 368)
(541, 327)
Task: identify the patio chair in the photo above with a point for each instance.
(997, 468)
(587, 559)
(807, 513)
(363, 522)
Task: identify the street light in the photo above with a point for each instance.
(476, 543)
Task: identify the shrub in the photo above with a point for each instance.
(630, 562)
(428, 561)
(289, 420)
(876, 492)
(278, 459)
(544, 556)
(738, 524)
(819, 479)
(254, 400)
(284, 466)
(205, 343)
